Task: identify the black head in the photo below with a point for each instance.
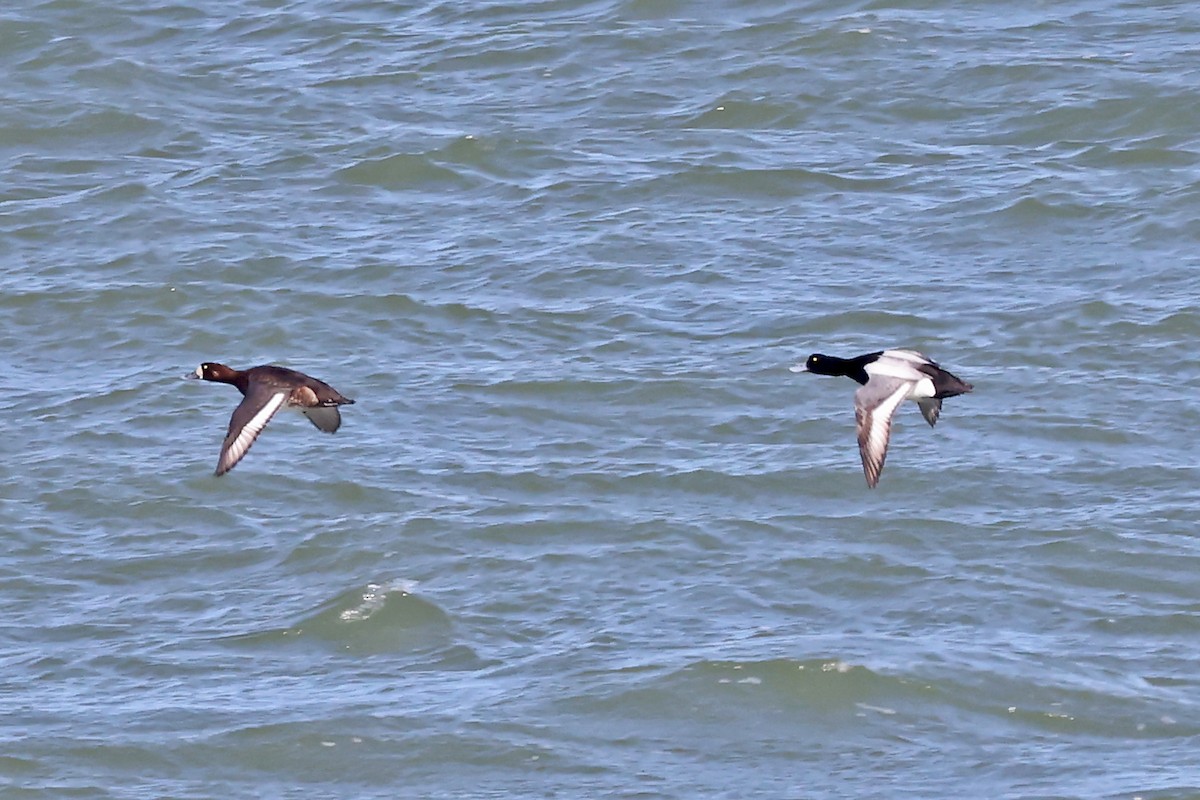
(822, 364)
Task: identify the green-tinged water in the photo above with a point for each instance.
(583, 534)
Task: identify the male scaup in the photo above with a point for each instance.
(888, 378)
(267, 389)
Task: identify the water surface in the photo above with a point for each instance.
(583, 534)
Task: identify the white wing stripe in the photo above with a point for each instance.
(875, 427)
(250, 431)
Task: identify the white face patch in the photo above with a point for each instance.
(200, 371)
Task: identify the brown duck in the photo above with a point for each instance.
(267, 389)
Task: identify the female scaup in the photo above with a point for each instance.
(888, 378)
(268, 388)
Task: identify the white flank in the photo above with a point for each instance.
(922, 389)
(902, 365)
(895, 368)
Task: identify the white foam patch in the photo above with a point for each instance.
(374, 597)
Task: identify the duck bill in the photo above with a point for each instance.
(193, 375)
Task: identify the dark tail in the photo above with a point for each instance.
(948, 385)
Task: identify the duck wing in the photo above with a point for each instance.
(911, 356)
(247, 422)
(326, 418)
(875, 404)
(931, 409)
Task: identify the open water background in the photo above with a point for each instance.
(583, 534)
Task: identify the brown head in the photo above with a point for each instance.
(213, 371)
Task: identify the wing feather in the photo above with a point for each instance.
(247, 422)
(931, 409)
(326, 418)
(911, 356)
(875, 404)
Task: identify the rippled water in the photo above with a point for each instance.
(583, 534)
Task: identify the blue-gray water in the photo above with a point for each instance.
(583, 534)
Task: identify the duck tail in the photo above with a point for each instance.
(947, 385)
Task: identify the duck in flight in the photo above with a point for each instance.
(888, 378)
(267, 389)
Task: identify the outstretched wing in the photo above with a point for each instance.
(875, 404)
(247, 422)
(326, 418)
(931, 408)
